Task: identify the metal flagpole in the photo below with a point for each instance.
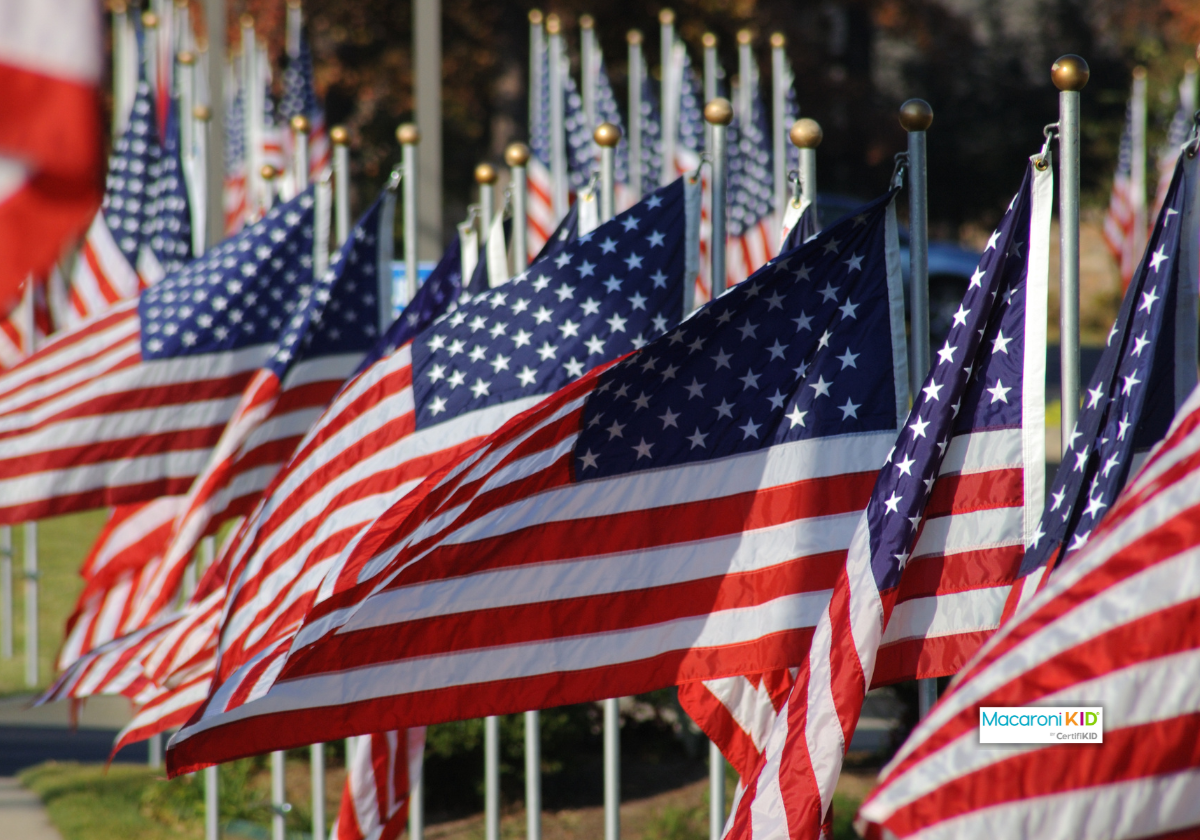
(1188, 91)
(279, 805)
(485, 177)
(31, 604)
(587, 66)
(781, 80)
(212, 828)
(1070, 75)
(806, 135)
(1137, 166)
(709, 40)
(341, 183)
(251, 117)
(716, 792)
(214, 168)
(300, 129)
(634, 75)
(416, 809)
(427, 47)
(745, 39)
(719, 114)
(607, 136)
(517, 156)
(200, 180)
(558, 139)
(6, 592)
(669, 107)
(409, 137)
(317, 764)
(150, 24)
(120, 19)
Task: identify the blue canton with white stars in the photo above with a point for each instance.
(651, 130)
(975, 385)
(607, 293)
(340, 313)
(1129, 402)
(691, 108)
(750, 198)
(802, 349)
(170, 220)
(131, 167)
(299, 96)
(240, 293)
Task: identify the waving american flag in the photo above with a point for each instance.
(921, 559)
(128, 406)
(680, 513)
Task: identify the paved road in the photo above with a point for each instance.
(22, 814)
(22, 746)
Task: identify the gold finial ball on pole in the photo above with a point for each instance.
(1070, 73)
(268, 172)
(709, 40)
(718, 111)
(607, 134)
(247, 21)
(778, 40)
(293, 4)
(744, 36)
(408, 134)
(181, 4)
(535, 17)
(202, 113)
(485, 173)
(118, 7)
(1139, 72)
(517, 154)
(339, 135)
(916, 115)
(553, 24)
(587, 22)
(149, 20)
(634, 36)
(806, 133)
(666, 17)
(300, 124)
(186, 58)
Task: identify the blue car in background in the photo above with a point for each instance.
(950, 267)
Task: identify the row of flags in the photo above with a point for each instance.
(562, 486)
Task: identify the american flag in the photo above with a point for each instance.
(653, 522)
(118, 573)
(234, 196)
(27, 323)
(651, 161)
(128, 406)
(540, 201)
(168, 231)
(1130, 400)
(300, 99)
(582, 151)
(50, 70)
(1120, 219)
(1115, 627)
(690, 142)
(382, 771)
(916, 554)
(325, 340)
(1177, 134)
(431, 401)
(750, 202)
(106, 271)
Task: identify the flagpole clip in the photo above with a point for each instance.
(793, 178)
(897, 179)
(694, 175)
(1042, 161)
(393, 182)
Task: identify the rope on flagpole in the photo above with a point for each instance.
(1070, 74)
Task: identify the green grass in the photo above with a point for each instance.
(85, 803)
(63, 543)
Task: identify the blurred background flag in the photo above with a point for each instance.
(382, 771)
(50, 134)
(1119, 221)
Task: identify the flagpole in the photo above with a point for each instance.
(6, 592)
(31, 604)
(607, 136)
(1070, 75)
(517, 156)
(587, 67)
(300, 129)
(200, 180)
(1137, 166)
(279, 804)
(558, 140)
(806, 136)
(212, 828)
(150, 24)
(317, 765)
(341, 183)
(709, 41)
(634, 75)
(669, 104)
(745, 39)
(779, 88)
(120, 19)
(916, 117)
(1187, 342)
(214, 167)
(251, 116)
(718, 113)
(409, 136)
